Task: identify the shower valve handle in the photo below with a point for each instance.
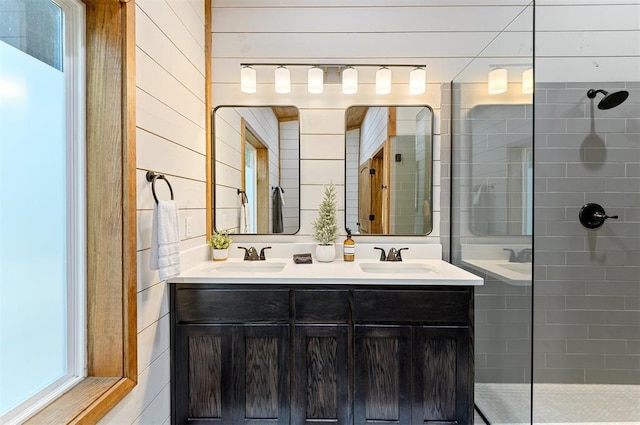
(604, 216)
(593, 216)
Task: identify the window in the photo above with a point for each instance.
(42, 225)
(111, 217)
(250, 184)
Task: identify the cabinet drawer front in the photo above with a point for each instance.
(321, 306)
(438, 306)
(231, 306)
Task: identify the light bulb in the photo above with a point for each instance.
(248, 79)
(417, 81)
(315, 80)
(349, 81)
(283, 82)
(383, 80)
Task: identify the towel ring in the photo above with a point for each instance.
(152, 177)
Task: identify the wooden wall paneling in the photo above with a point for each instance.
(104, 139)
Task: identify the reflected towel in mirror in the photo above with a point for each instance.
(277, 204)
(244, 217)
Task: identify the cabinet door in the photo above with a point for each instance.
(261, 374)
(382, 380)
(321, 375)
(202, 377)
(443, 391)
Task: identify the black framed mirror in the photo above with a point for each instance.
(389, 170)
(256, 169)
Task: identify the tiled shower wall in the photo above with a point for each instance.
(586, 282)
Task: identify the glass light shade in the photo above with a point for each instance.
(527, 81)
(417, 81)
(383, 81)
(349, 81)
(315, 81)
(283, 81)
(247, 80)
(497, 81)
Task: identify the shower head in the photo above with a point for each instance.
(610, 100)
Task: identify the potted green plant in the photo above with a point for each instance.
(326, 227)
(219, 243)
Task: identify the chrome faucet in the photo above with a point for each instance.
(524, 256)
(251, 254)
(394, 254)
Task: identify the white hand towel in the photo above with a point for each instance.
(165, 240)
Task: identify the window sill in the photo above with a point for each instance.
(85, 403)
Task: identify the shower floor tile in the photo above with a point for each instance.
(509, 404)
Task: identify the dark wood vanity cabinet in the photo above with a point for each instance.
(230, 356)
(413, 356)
(333, 355)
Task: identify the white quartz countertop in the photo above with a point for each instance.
(285, 271)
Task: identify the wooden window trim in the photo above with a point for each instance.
(111, 218)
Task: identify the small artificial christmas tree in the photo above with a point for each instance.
(325, 226)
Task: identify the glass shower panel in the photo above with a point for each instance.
(587, 281)
(492, 216)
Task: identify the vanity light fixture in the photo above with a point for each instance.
(349, 80)
(282, 79)
(346, 74)
(497, 81)
(247, 79)
(527, 81)
(417, 80)
(315, 80)
(383, 80)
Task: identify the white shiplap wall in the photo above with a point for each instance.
(351, 175)
(290, 174)
(279, 32)
(170, 135)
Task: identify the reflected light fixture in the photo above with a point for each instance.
(315, 80)
(349, 80)
(383, 80)
(417, 81)
(282, 79)
(497, 81)
(247, 79)
(527, 81)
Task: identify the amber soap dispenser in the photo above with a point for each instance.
(349, 247)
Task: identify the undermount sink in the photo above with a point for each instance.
(524, 268)
(250, 267)
(395, 268)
